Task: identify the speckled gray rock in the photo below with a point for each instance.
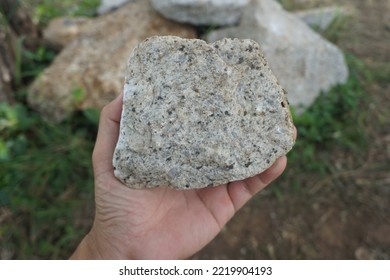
(197, 115)
(206, 12)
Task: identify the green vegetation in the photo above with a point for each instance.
(45, 10)
(46, 182)
(46, 175)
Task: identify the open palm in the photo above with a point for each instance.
(158, 223)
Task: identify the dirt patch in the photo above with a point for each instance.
(343, 214)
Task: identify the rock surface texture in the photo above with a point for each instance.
(197, 115)
(94, 63)
(304, 63)
(208, 12)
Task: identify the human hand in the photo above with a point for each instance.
(158, 223)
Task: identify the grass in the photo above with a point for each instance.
(46, 183)
(46, 175)
(45, 10)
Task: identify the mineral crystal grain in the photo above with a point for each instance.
(197, 114)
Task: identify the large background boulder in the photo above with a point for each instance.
(322, 18)
(302, 60)
(90, 71)
(107, 6)
(63, 30)
(209, 12)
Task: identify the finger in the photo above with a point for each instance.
(295, 133)
(240, 192)
(107, 136)
(271, 174)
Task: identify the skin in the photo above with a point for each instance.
(158, 223)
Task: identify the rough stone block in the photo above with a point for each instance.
(197, 114)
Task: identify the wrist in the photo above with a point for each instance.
(87, 249)
(94, 247)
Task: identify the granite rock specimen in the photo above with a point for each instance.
(197, 114)
(208, 12)
(304, 63)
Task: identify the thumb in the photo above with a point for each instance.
(107, 136)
